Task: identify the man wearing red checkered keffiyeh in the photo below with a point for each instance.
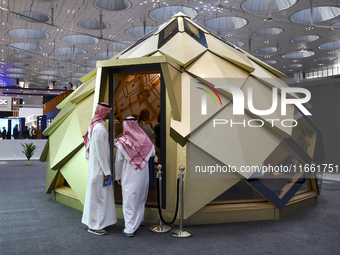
(134, 149)
(99, 207)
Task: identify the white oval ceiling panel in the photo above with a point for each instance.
(267, 50)
(122, 45)
(268, 31)
(299, 54)
(22, 56)
(305, 38)
(139, 31)
(330, 46)
(29, 34)
(80, 39)
(270, 62)
(16, 70)
(93, 24)
(320, 14)
(106, 55)
(34, 17)
(322, 59)
(112, 5)
(47, 77)
(70, 51)
(25, 46)
(262, 6)
(163, 14)
(225, 23)
(16, 75)
(19, 64)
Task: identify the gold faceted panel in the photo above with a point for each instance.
(236, 57)
(238, 145)
(84, 115)
(210, 66)
(172, 78)
(65, 141)
(143, 49)
(199, 188)
(178, 51)
(75, 173)
(262, 98)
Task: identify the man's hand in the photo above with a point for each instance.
(107, 177)
(118, 181)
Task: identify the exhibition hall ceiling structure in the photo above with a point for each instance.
(46, 42)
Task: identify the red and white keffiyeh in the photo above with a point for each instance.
(101, 112)
(134, 144)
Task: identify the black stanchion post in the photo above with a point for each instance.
(160, 228)
(181, 232)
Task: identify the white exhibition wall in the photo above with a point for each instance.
(12, 149)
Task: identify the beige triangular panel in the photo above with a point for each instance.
(88, 90)
(234, 142)
(84, 111)
(44, 153)
(172, 78)
(67, 99)
(201, 187)
(88, 76)
(229, 53)
(65, 111)
(179, 14)
(157, 53)
(197, 25)
(264, 65)
(269, 79)
(75, 173)
(177, 49)
(145, 48)
(211, 66)
(51, 176)
(66, 141)
(262, 100)
(191, 108)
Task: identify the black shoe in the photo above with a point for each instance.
(128, 234)
(142, 224)
(99, 232)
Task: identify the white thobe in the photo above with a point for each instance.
(99, 208)
(135, 188)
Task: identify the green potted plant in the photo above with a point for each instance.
(29, 149)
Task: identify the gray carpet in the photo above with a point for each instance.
(32, 223)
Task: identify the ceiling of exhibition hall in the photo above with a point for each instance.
(61, 40)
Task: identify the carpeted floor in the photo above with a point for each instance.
(32, 223)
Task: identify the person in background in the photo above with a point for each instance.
(3, 133)
(157, 130)
(99, 207)
(134, 149)
(33, 133)
(146, 126)
(25, 133)
(16, 132)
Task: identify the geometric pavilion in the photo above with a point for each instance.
(176, 71)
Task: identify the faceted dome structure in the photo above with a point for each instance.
(184, 72)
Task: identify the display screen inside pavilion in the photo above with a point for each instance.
(134, 93)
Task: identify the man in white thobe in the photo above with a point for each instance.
(99, 208)
(134, 149)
